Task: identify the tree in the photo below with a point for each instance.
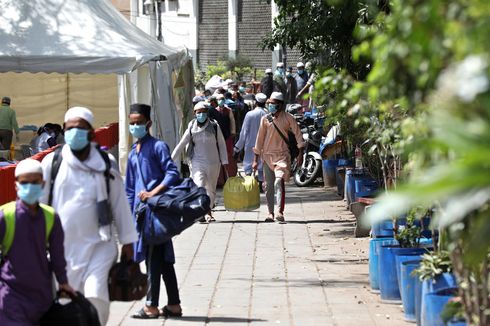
(323, 29)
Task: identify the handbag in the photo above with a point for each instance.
(290, 141)
(166, 215)
(126, 282)
(79, 312)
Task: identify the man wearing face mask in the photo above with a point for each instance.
(85, 197)
(301, 78)
(274, 152)
(25, 271)
(279, 84)
(206, 151)
(151, 171)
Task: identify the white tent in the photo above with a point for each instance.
(84, 52)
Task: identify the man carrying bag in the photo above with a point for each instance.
(151, 171)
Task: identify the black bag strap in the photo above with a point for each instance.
(55, 168)
(269, 117)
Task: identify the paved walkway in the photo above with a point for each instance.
(241, 271)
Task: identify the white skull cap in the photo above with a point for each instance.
(277, 96)
(28, 165)
(200, 105)
(79, 112)
(280, 64)
(268, 71)
(300, 64)
(261, 97)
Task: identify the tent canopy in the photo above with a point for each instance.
(75, 36)
(88, 36)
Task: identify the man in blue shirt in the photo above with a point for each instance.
(151, 171)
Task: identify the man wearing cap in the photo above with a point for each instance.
(25, 271)
(82, 198)
(266, 84)
(248, 135)
(279, 83)
(301, 78)
(301, 75)
(274, 152)
(151, 171)
(308, 88)
(206, 151)
(8, 122)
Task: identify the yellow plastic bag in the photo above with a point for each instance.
(241, 194)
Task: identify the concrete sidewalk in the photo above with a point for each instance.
(242, 271)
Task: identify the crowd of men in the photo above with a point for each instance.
(76, 206)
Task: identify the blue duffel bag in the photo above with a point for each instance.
(166, 215)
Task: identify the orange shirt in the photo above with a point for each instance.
(272, 148)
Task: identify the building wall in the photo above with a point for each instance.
(254, 21)
(212, 31)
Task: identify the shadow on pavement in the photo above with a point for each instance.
(297, 283)
(207, 319)
(287, 222)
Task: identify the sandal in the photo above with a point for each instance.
(270, 218)
(280, 218)
(142, 314)
(165, 312)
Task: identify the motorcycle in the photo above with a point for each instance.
(312, 131)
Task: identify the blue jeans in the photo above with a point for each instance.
(158, 263)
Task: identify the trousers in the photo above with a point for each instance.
(5, 139)
(156, 266)
(275, 190)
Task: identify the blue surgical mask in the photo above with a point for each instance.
(29, 192)
(138, 131)
(289, 74)
(300, 71)
(241, 89)
(272, 108)
(221, 102)
(280, 70)
(201, 117)
(77, 138)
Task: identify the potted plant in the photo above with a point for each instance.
(435, 273)
(408, 238)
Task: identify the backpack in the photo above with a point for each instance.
(9, 216)
(55, 167)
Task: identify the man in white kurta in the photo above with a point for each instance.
(248, 135)
(207, 154)
(90, 249)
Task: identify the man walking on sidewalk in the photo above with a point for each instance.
(85, 187)
(8, 122)
(150, 172)
(248, 135)
(274, 151)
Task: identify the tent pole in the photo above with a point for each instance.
(67, 91)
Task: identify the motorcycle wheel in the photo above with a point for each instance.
(307, 174)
